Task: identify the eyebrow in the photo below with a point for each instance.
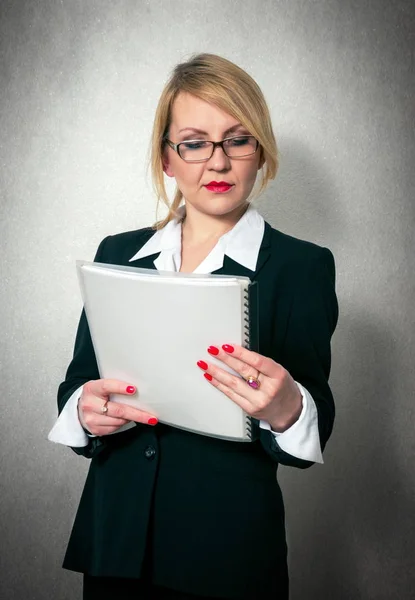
(225, 133)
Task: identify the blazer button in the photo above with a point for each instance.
(150, 452)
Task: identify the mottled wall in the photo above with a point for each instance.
(79, 81)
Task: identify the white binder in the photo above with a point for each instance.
(149, 328)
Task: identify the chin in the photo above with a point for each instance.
(220, 207)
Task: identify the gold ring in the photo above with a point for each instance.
(104, 408)
(253, 382)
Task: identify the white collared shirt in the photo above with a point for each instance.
(241, 244)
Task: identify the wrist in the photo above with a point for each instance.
(288, 418)
(81, 420)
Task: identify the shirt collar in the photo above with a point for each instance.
(241, 243)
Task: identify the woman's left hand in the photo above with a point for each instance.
(277, 400)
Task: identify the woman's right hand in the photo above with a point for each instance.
(96, 396)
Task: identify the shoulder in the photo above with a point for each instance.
(300, 268)
(293, 247)
(306, 270)
(122, 246)
(296, 254)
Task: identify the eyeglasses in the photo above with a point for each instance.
(194, 151)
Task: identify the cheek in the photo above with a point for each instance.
(188, 175)
(248, 173)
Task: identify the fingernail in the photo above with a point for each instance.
(202, 365)
(153, 421)
(213, 350)
(228, 348)
(207, 376)
(130, 389)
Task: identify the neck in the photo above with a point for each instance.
(201, 228)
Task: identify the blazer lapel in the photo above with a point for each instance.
(231, 267)
(147, 262)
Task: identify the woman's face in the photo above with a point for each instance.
(190, 117)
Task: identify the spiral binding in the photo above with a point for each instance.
(248, 426)
(246, 344)
(246, 323)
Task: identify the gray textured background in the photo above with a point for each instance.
(79, 83)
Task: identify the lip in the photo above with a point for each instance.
(218, 186)
(218, 183)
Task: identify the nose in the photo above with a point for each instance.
(219, 161)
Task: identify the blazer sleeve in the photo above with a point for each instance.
(82, 368)
(306, 352)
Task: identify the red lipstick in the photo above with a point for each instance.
(218, 187)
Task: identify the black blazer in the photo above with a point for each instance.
(209, 511)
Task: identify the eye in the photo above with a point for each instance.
(239, 141)
(194, 145)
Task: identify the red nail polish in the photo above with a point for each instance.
(202, 365)
(153, 421)
(228, 348)
(207, 376)
(213, 350)
(130, 389)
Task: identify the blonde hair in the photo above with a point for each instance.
(220, 82)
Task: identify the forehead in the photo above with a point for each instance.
(190, 111)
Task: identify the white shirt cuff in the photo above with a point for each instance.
(302, 439)
(67, 429)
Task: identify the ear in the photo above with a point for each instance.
(166, 165)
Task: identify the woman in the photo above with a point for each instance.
(170, 514)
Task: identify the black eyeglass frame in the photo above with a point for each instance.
(175, 147)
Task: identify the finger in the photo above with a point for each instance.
(241, 367)
(102, 388)
(231, 393)
(103, 430)
(234, 386)
(232, 354)
(91, 405)
(130, 413)
(98, 420)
